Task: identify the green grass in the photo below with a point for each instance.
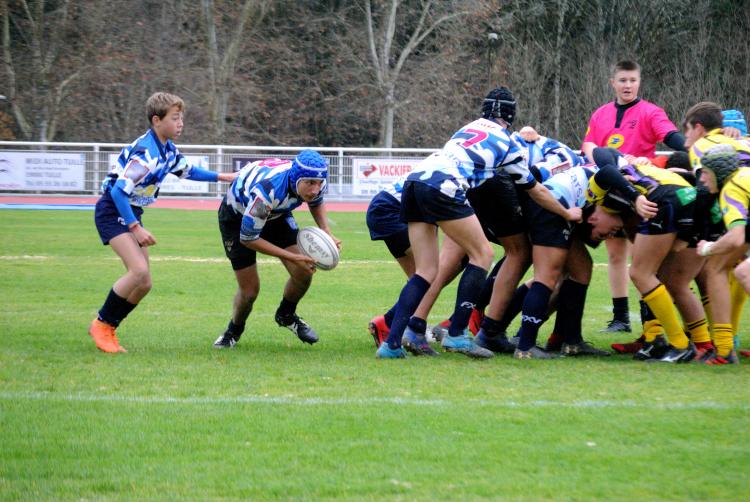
(276, 419)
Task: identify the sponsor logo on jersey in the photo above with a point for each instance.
(616, 141)
(260, 209)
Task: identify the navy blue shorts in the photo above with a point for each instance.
(546, 228)
(498, 208)
(108, 221)
(384, 222)
(674, 215)
(422, 203)
(281, 231)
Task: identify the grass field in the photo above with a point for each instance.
(276, 419)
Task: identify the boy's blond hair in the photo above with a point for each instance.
(159, 103)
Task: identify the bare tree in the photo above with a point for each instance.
(388, 56)
(221, 68)
(49, 67)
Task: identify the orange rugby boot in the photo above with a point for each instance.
(104, 336)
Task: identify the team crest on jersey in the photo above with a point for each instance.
(615, 141)
(260, 209)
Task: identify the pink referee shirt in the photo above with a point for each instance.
(642, 125)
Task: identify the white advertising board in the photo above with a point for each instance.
(53, 171)
(173, 184)
(370, 175)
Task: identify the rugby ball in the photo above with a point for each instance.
(319, 246)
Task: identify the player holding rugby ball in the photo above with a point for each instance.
(256, 216)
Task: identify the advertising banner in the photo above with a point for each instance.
(53, 171)
(372, 174)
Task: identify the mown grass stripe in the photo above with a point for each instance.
(397, 401)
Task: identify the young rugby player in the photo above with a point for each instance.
(434, 195)
(256, 216)
(132, 184)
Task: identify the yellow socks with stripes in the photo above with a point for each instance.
(651, 329)
(699, 331)
(738, 297)
(660, 303)
(723, 339)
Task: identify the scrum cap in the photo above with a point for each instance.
(499, 103)
(723, 161)
(308, 164)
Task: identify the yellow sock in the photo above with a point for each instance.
(699, 331)
(738, 297)
(662, 306)
(723, 339)
(706, 301)
(651, 329)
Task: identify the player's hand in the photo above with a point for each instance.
(143, 236)
(732, 132)
(704, 248)
(645, 208)
(336, 240)
(574, 214)
(304, 261)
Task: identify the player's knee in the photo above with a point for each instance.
(248, 292)
(742, 273)
(142, 277)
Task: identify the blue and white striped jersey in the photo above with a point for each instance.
(395, 189)
(474, 154)
(263, 191)
(548, 154)
(142, 166)
(572, 184)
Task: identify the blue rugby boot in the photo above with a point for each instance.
(464, 344)
(417, 343)
(385, 352)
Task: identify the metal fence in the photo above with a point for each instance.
(221, 158)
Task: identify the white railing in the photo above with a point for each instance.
(221, 158)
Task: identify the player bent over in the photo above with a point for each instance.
(434, 195)
(658, 239)
(721, 172)
(132, 184)
(559, 246)
(256, 216)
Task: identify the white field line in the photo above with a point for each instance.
(364, 401)
(189, 259)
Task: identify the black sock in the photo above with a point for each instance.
(514, 307)
(570, 307)
(286, 308)
(235, 329)
(126, 308)
(113, 308)
(491, 327)
(408, 301)
(534, 310)
(620, 309)
(646, 314)
(389, 316)
(417, 325)
(466, 298)
(485, 294)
